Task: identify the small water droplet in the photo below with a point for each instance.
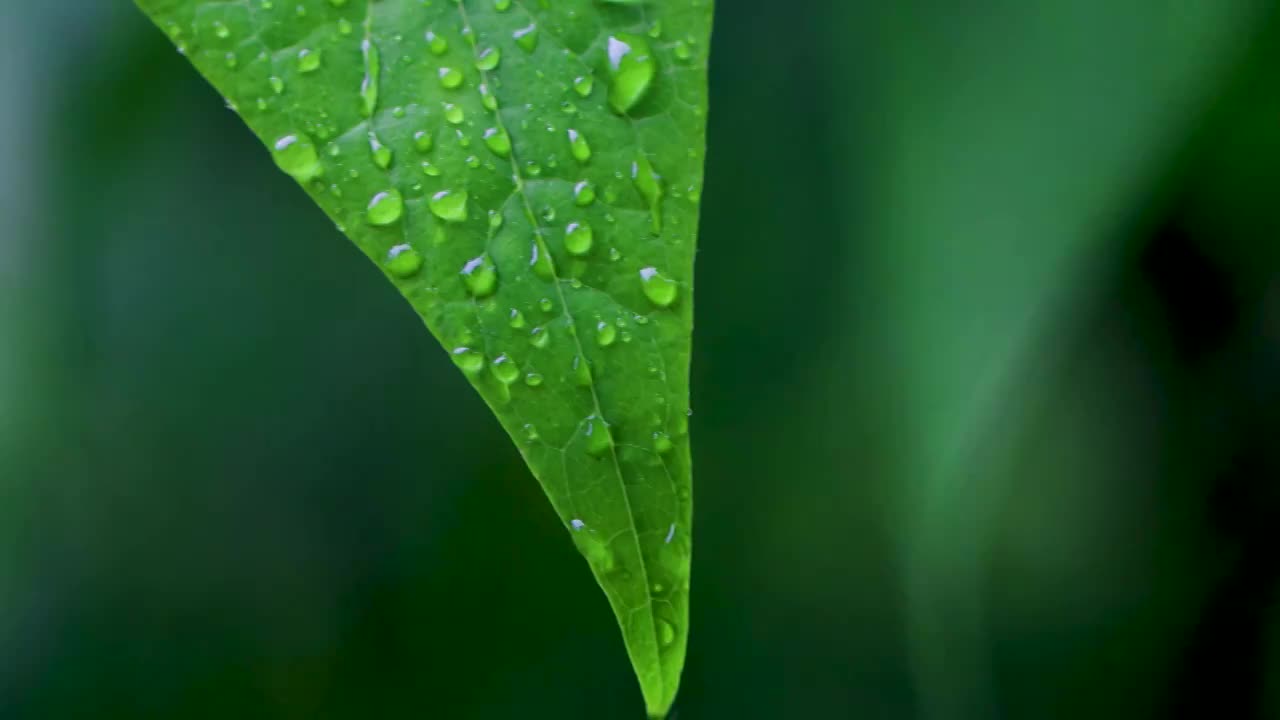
(661, 290)
(583, 85)
(296, 155)
(369, 85)
(606, 334)
(539, 337)
(423, 140)
(480, 276)
(385, 207)
(454, 114)
(599, 441)
(450, 78)
(516, 319)
(662, 443)
(533, 380)
(578, 146)
(488, 59)
(308, 60)
(649, 184)
(578, 238)
(498, 141)
(438, 45)
(666, 633)
(546, 305)
(505, 369)
(449, 205)
(540, 260)
(470, 361)
(221, 30)
(527, 37)
(403, 261)
(584, 194)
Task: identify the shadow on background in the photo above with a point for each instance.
(986, 380)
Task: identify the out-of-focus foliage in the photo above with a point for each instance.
(985, 380)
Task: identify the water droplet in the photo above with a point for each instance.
(516, 320)
(505, 369)
(454, 114)
(606, 334)
(369, 85)
(599, 441)
(423, 140)
(344, 26)
(584, 194)
(530, 432)
(487, 99)
(527, 37)
(649, 184)
(581, 371)
(632, 68)
(578, 145)
(578, 238)
(403, 261)
(661, 290)
(449, 205)
(662, 443)
(480, 276)
(539, 337)
(438, 45)
(488, 59)
(498, 141)
(546, 305)
(540, 260)
(381, 153)
(386, 207)
(533, 380)
(583, 85)
(429, 169)
(308, 60)
(277, 85)
(450, 78)
(296, 155)
(221, 30)
(470, 361)
(666, 633)
(577, 524)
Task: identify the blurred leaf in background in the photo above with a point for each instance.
(985, 386)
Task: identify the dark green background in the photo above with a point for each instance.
(986, 392)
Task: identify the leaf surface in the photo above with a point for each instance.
(527, 173)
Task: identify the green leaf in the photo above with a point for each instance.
(527, 173)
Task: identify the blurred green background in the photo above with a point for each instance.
(987, 382)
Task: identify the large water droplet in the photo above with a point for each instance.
(449, 205)
(661, 290)
(296, 155)
(386, 207)
(540, 260)
(632, 68)
(480, 276)
(584, 194)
